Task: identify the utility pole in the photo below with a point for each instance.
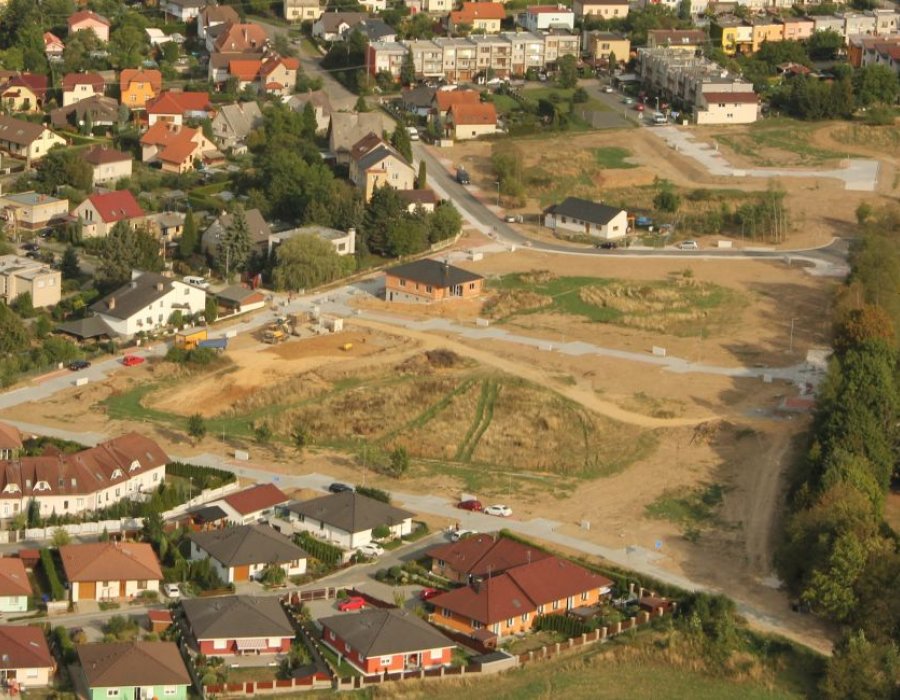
(791, 350)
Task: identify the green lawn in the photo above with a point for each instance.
(613, 157)
(687, 506)
(562, 97)
(784, 135)
(504, 103)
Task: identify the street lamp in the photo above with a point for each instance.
(791, 349)
(498, 193)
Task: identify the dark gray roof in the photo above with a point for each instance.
(208, 514)
(386, 631)
(90, 327)
(236, 617)
(330, 21)
(248, 544)
(350, 512)
(419, 97)
(375, 29)
(376, 155)
(130, 298)
(235, 293)
(585, 210)
(434, 273)
(256, 225)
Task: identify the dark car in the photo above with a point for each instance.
(77, 365)
(470, 504)
(608, 245)
(337, 487)
(462, 177)
(31, 246)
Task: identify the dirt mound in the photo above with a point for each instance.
(443, 358)
(509, 302)
(424, 363)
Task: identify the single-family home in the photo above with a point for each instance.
(727, 108)
(175, 107)
(101, 211)
(10, 441)
(688, 40)
(88, 20)
(139, 86)
(238, 625)
(600, 45)
(445, 99)
(424, 200)
(480, 556)
(540, 18)
(602, 9)
(53, 46)
(582, 216)
(373, 6)
(256, 225)
(127, 467)
(333, 26)
(509, 603)
(147, 302)
(302, 10)
(176, 148)
(233, 123)
(15, 588)
(237, 37)
(80, 86)
(167, 226)
(418, 100)
(23, 92)
(321, 106)
(88, 113)
(278, 75)
(386, 640)
(255, 503)
(109, 165)
(242, 553)
(237, 299)
(478, 17)
(33, 211)
(23, 275)
(347, 128)
(374, 29)
(469, 121)
(347, 519)
(215, 16)
(343, 242)
(25, 658)
(182, 10)
(133, 670)
(426, 280)
(110, 570)
(374, 163)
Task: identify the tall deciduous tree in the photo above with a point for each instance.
(127, 249)
(860, 670)
(308, 261)
(234, 246)
(62, 166)
(400, 141)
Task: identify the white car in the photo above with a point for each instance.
(171, 590)
(458, 535)
(688, 245)
(370, 550)
(499, 510)
(608, 88)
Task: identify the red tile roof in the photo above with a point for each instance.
(33, 81)
(95, 80)
(13, 578)
(490, 601)
(472, 11)
(140, 75)
(237, 38)
(478, 114)
(180, 103)
(24, 647)
(175, 143)
(256, 498)
(50, 38)
(85, 15)
(10, 437)
(116, 206)
(270, 65)
(245, 70)
(110, 561)
(484, 555)
(447, 98)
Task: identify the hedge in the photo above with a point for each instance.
(324, 552)
(202, 477)
(371, 492)
(66, 645)
(569, 626)
(56, 588)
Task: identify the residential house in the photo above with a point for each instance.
(147, 302)
(302, 10)
(418, 100)
(431, 280)
(445, 99)
(586, 218)
(387, 57)
(86, 114)
(509, 603)
(538, 18)
(110, 570)
(347, 128)
(762, 30)
(80, 86)
(435, 7)
(26, 140)
(732, 34)
(374, 29)
(233, 123)
(874, 50)
(601, 45)
(242, 553)
(127, 467)
(223, 66)
(238, 625)
(480, 556)
(374, 163)
(237, 37)
(256, 224)
(858, 23)
(347, 519)
(602, 9)
(139, 86)
(176, 148)
(469, 121)
(237, 299)
(138, 670)
(214, 16)
(175, 107)
(424, 200)
(333, 26)
(53, 46)
(343, 242)
(797, 28)
(374, 6)
(33, 211)
(109, 165)
(15, 588)
(182, 10)
(278, 76)
(23, 92)
(255, 503)
(101, 211)
(321, 107)
(478, 17)
(24, 275)
(378, 641)
(10, 441)
(88, 20)
(727, 108)
(25, 658)
(167, 226)
(684, 39)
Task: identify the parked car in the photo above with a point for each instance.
(659, 118)
(354, 602)
(608, 88)
(338, 487)
(370, 550)
(78, 365)
(171, 590)
(413, 133)
(608, 245)
(510, 218)
(499, 510)
(639, 107)
(688, 245)
(470, 504)
(132, 360)
(458, 535)
(428, 593)
(628, 100)
(462, 177)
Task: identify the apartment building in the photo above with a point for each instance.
(21, 275)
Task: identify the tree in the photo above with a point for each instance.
(666, 199)
(69, 266)
(361, 105)
(831, 589)
(384, 208)
(825, 45)
(211, 312)
(234, 247)
(13, 335)
(568, 72)
(400, 140)
(196, 426)
(399, 464)
(127, 249)
(61, 537)
(381, 532)
(153, 529)
(307, 261)
(24, 305)
(684, 10)
(273, 575)
(310, 124)
(869, 322)
(62, 166)
(407, 235)
(859, 670)
(190, 240)
(408, 69)
(262, 433)
(612, 61)
(875, 83)
(445, 222)
(422, 177)
(301, 436)
(128, 46)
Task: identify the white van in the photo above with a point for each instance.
(197, 282)
(413, 133)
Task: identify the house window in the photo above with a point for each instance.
(386, 660)
(524, 617)
(510, 622)
(220, 644)
(170, 690)
(584, 596)
(540, 609)
(65, 505)
(142, 585)
(556, 605)
(112, 692)
(428, 288)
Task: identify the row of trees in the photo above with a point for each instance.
(838, 555)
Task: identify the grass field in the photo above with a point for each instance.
(613, 157)
(778, 142)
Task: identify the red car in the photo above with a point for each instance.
(471, 504)
(132, 360)
(428, 593)
(352, 603)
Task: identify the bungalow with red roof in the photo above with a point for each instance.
(469, 121)
(176, 148)
(88, 20)
(251, 505)
(24, 92)
(110, 570)
(15, 588)
(175, 107)
(80, 86)
(509, 603)
(479, 17)
(480, 556)
(53, 46)
(100, 212)
(25, 658)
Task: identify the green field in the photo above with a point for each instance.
(613, 157)
(790, 138)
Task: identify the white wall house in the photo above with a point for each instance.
(543, 17)
(241, 553)
(581, 216)
(727, 108)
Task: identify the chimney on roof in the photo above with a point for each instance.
(112, 303)
(159, 286)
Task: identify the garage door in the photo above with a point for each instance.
(121, 589)
(87, 590)
(242, 573)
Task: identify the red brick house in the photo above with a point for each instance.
(431, 280)
(238, 625)
(386, 640)
(480, 556)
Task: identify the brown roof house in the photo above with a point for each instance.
(80, 86)
(109, 165)
(347, 128)
(138, 670)
(10, 441)
(110, 570)
(469, 121)
(25, 659)
(480, 556)
(26, 140)
(242, 553)
(256, 502)
(259, 231)
(15, 588)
